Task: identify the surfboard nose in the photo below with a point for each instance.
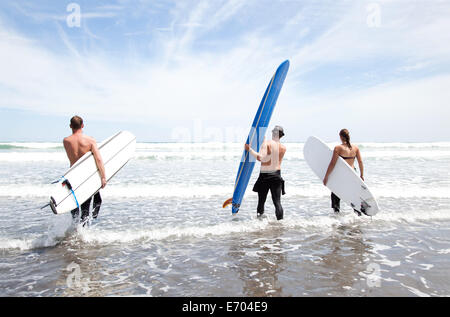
(286, 63)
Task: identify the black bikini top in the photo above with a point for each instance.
(348, 158)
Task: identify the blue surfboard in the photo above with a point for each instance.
(256, 136)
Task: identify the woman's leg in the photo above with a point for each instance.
(335, 203)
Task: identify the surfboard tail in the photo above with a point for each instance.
(227, 202)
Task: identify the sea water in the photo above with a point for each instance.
(162, 231)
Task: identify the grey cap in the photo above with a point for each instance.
(278, 129)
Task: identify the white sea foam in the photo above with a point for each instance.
(322, 223)
(58, 229)
(315, 223)
(292, 155)
(100, 236)
(31, 145)
(60, 156)
(120, 191)
(14, 152)
(399, 145)
(187, 155)
(224, 145)
(16, 157)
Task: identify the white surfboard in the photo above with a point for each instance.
(84, 176)
(343, 181)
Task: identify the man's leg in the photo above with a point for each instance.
(97, 204)
(275, 191)
(85, 210)
(335, 203)
(262, 195)
(75, 213)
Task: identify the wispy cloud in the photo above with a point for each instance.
(213, 59)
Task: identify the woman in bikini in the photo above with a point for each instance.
(349, 152)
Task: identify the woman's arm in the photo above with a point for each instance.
(360, 163)
(331, 165)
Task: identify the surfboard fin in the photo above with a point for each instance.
(45, 206)
(227, 202)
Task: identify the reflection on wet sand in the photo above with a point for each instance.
(81, 272)
(259, 262)
(338, 260)
(332, 269)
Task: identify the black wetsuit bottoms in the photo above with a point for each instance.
(85, 208)
(275, 183)
(336, 201)
(336, 204)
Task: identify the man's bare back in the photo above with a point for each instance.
(78, 144)
(273, 161)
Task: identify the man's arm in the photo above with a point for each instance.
(263, 153)
(66, 147)
(99, 162)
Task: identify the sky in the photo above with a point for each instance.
(196, 70)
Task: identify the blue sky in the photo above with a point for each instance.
(195, 70)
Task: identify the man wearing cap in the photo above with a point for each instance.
(271, 155)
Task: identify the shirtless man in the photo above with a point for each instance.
(76, 146)
(271, 155)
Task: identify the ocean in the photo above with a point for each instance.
(162, 231)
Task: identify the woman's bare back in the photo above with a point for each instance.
(348, 154)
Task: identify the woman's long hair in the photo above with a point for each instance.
(345, 135)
